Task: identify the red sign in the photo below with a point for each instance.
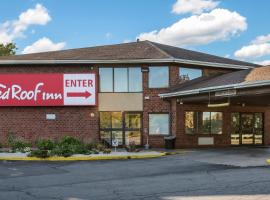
(47, 89)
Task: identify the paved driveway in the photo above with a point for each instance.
(193, 176)
(237, 156)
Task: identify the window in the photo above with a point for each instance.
(158, 124)
(120, 79)
(158, 77)
(135, 79)
(189, 73)
(125, 127)
(106, 79)
(203, 122)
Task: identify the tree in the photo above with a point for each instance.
(7, 49)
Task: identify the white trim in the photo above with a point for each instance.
(216, 88)
(132, 61)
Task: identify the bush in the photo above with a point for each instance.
(132, 147)
(69, 146)
(39, 153)
(18, 145)
(45, 144)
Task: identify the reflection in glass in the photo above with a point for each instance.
(106, 79)
(158, 77)
(135, 79)
(158, 124)
(190, 73)
(118, 135)
(133, 120)
(206, 124)
(133, 136)
(216, 122)
(116, 119)
(235, 124)
(106, 136)
(105, 120)
(190, 122)
(120, 80)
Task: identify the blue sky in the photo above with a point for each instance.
(229, 25)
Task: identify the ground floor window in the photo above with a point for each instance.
(123, 126)
(198, 122)
(159, 124)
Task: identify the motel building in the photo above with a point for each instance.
(135, 92)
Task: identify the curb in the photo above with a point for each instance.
(83, 158)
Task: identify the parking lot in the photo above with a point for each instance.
(239, 173)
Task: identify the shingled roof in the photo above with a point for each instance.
(244, 78)
(142, 51)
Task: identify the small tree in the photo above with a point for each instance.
(7, 49)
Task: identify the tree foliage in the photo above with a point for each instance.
(7, 49)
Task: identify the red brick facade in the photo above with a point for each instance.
(30, 123)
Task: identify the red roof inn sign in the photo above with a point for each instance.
(47, 89)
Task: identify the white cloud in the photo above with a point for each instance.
(42, 45)
(219, 24)
(261, 39)
(264, 62)
(257, 48)
(193, 6)
(11, 30)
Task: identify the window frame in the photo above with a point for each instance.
(198, 129)
(149, 71)
(128, 82)
(169, 123)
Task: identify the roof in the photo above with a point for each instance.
(239, 79)
(141, 51)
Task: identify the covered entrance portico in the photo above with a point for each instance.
(221, 111)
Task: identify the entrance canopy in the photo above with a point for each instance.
(250, 87)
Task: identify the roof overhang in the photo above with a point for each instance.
(132, 61)
(216, 88)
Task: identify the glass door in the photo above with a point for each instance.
(235, 125)
(258, 128)
(246, 128)
(133, 127)
(247, 123)
(123, 126)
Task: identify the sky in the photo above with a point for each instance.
(237, 29)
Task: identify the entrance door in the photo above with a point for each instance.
(247, 129)
(124, 126)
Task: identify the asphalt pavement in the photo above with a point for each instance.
(190, 176)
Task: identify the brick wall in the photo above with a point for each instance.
(30, 123)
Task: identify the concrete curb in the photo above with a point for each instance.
(109, 157)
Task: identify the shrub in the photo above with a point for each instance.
(69, 146)
(18, 145)
(45, 144)
(132, 147)
(107, 151)
(39, 153)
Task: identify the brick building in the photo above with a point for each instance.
(145, 91)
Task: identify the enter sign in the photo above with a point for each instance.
(79, 89)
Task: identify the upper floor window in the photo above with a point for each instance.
(189, 73)
(158, 77)
(120, 79)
